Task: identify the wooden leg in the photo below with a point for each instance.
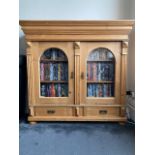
(121, 123)
(32, 123)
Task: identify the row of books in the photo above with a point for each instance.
(54, 54)
(100, 90)
(100, 71)
(101, 54)
(54, 90)
(54, 71)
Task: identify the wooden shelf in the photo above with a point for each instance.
(53, 81)
(50, 60)
(90, 61)
(100, 81)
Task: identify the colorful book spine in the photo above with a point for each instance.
(43, 90)
(105, 90)
(96, 90)
(66, 72)
(51, 72)
(52, 90)
(54, 72)
(89, 71)
(56, 90)
(111, 76)
(59, 71)
(100, 90)
(48, 91)
(99, 72)
(94, 71)
(93, 90)
(42, 71)
(90, 90)
(59, 90)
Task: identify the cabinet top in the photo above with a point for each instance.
(88, 30)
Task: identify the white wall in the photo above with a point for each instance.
(80, 10)
(76, 9)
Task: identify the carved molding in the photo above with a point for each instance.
(124, 48)
(77, 45)
(125, 44)
(77, 27)
(114, 30)
(29, 43)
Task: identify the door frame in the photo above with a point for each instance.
(86, 48)
(38, 50)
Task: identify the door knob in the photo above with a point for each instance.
(82, 75)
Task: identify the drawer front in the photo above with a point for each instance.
(53, 111)
(101, 111)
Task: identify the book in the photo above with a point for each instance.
(42, 71)
(46, 71)
(56, 89)
(94, 71)
(100, 90)
(89, 90)
(59, 90)
(43, 90)
(52, 90)
(51, 72)
(59, 71)
(88, 71)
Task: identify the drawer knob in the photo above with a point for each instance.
(103, 112)
(50, 111)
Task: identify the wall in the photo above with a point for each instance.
(73, 10)
(81, 10)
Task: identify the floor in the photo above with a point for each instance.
(77, 139)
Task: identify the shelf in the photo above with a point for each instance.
(50, 60)
(89, 61)
(80, 105)
(100, 81)
(53, 81)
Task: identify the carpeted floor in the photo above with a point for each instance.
(77, 139)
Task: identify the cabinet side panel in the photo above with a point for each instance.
(123, 75)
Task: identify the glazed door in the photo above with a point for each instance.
(100, 73)
(53, 73)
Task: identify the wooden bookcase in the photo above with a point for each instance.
(76, 69)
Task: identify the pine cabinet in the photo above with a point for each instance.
(76, 69)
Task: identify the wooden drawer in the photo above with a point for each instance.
(53, 111)
(101, 111)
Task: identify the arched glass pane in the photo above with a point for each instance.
(100, 73)
(53, 73)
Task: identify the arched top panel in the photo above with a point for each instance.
(101, 54)
(54, 54)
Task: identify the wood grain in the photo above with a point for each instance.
(77, 39)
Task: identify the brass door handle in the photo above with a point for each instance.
(50, 111)
(103, 112)
(82, 75)
(72, 75)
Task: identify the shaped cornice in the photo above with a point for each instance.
(75, 30)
